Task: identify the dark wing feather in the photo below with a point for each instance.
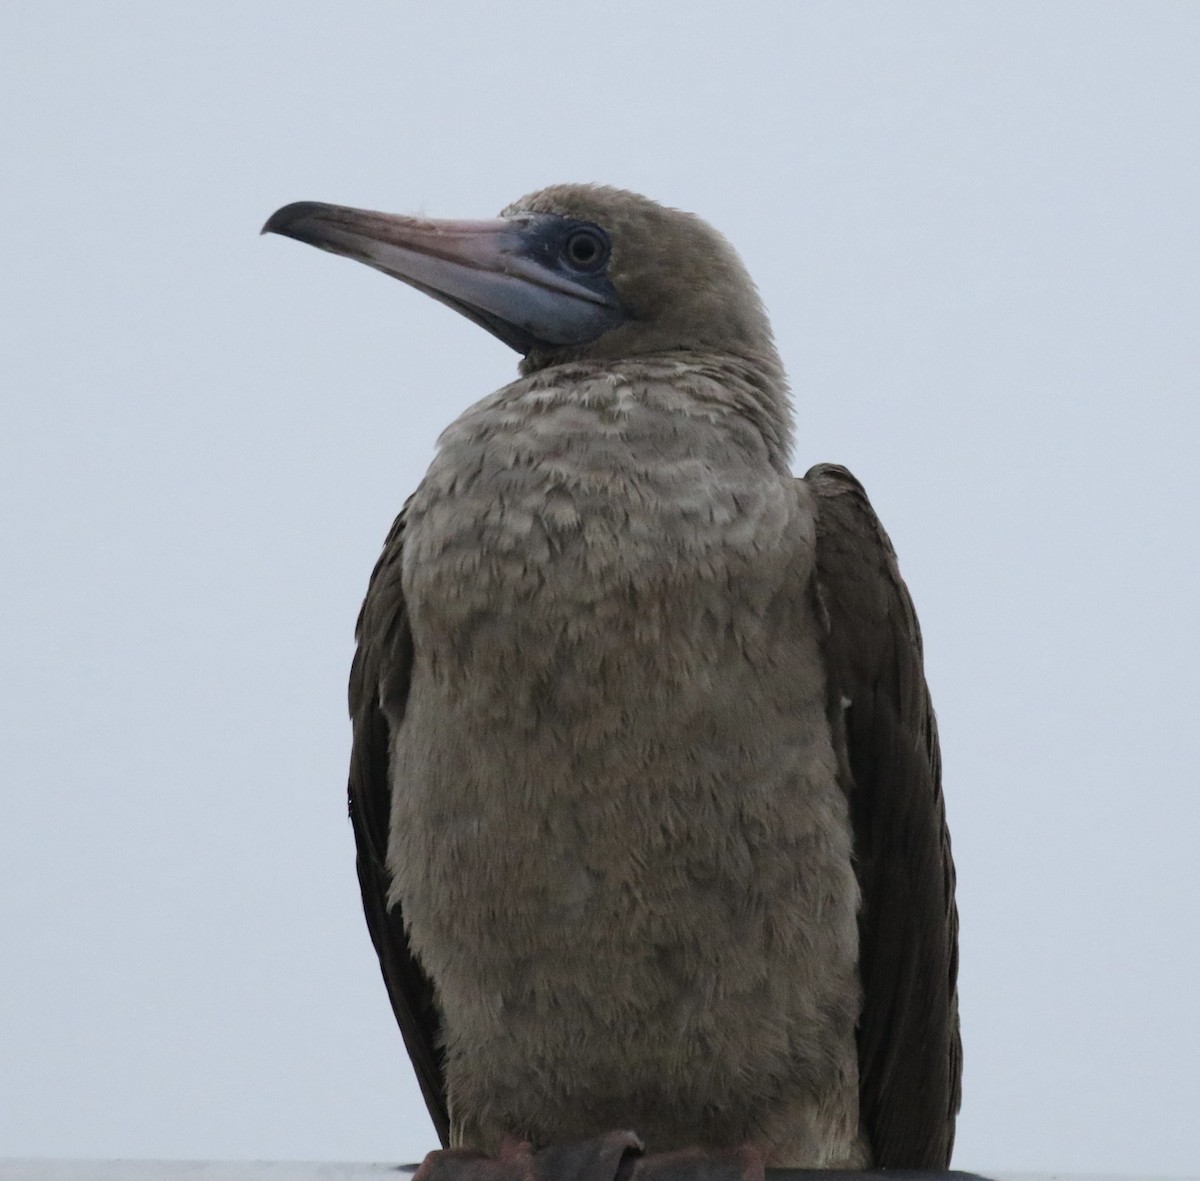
(379, 681)
(910, 1054)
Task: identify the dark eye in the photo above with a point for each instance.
(586, 249)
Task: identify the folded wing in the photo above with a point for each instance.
(379, 683)
(910, 1054)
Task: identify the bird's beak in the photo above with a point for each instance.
(496, 273)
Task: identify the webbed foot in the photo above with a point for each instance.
(746, 1163)
(604, 1158)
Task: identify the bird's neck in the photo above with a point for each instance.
(753, 383)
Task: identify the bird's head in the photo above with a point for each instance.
(570, 272)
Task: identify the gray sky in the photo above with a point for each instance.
(975, 227)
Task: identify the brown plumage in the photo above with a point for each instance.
(645, 778)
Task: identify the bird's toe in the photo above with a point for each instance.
(603, 1158)
(747, 1163)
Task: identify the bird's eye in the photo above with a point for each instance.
(586, 249)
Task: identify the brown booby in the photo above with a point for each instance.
(645, 779)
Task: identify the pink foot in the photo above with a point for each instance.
(589, 1160)
(746, 1163)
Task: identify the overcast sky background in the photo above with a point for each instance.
(976, 229)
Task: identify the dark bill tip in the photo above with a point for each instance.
(283, 220)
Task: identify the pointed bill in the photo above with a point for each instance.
(498, 273)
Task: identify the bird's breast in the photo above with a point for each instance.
(614, 757)
(550, 526)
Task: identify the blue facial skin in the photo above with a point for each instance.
(579, 252)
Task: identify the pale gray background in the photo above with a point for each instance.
(976, 228)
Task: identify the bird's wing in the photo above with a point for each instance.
(379, 682)
(910, 1054)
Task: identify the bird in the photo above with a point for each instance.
(645, 779)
